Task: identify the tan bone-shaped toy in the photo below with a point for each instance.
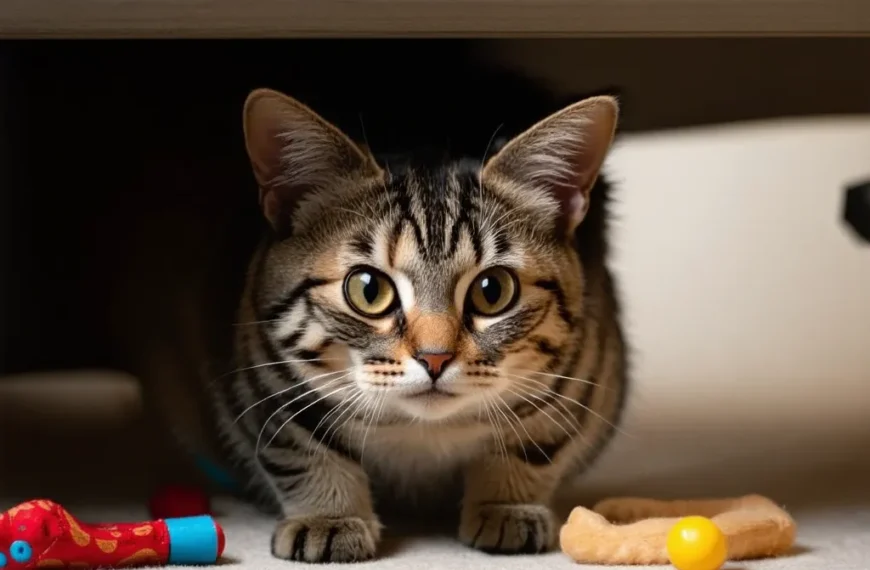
(630, 530)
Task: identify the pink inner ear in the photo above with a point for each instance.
(266, 155)
(271, 205)
(577, 205)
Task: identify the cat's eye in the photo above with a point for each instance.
(493, 292)
(369, 292)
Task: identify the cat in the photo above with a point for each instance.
(417, 318)
(391, 281)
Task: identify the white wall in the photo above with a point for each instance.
(746, 298)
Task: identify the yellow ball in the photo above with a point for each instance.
(696, 543)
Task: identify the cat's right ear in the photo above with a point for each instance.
(558, 159)
(297, 156)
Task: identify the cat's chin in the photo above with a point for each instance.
(432, 405)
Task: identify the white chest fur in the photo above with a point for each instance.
(414, 459)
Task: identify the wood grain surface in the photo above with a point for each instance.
(416, 18)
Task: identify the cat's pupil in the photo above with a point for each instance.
(491, 290)
(370, 289)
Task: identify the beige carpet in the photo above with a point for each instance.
(78, 439)
(831, 538)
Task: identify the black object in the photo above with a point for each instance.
(857, 210)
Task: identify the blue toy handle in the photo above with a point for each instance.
(193, 540)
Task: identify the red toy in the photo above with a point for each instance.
(42, 534)
(175, 501)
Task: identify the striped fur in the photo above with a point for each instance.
(322, 410)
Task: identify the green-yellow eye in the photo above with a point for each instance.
(493, 292)
(369, 292)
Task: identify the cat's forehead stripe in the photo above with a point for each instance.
(381, 247)
(405, 248)
(440, 206)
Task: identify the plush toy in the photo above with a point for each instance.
(690, 534)
(42, 534)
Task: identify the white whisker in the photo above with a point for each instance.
(497, 431)
(343, 405)
(549, 375)
(540, 409)
(250, 323)
(575, 423)
(368, 425)
(379, 406)
(277, 363)
(358, 402)
(285, 390)
(520, 423)
(570, 418)
(318, 400)
(575, 402)
(510, 423)
(284, 406)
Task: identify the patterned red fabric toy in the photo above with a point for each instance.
(42, 534)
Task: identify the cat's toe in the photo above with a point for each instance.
(499, 528)
(326, 539)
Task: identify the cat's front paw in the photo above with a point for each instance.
(500, 528)
(326, 539)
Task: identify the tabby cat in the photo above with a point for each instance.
(412, 319)
(391, 321)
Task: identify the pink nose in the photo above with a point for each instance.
(434, 362)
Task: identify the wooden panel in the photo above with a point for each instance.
(306, 18)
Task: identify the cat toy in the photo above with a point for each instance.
(690, 535)
(42, 534)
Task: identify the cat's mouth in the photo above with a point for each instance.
(431, 393)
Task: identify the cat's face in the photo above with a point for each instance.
(424, 293)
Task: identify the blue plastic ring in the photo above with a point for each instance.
(21, 551)
(192, 540)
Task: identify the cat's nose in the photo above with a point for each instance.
(434, 362)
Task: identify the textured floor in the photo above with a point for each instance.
(102, 463)
(831, 537)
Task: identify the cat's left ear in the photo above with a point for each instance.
(558, 159)
(298, 157)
